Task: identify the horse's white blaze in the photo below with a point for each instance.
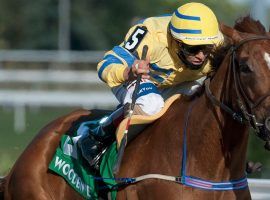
(267, 59)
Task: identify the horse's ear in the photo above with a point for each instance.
(230, 32)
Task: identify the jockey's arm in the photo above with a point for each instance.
(123, 62)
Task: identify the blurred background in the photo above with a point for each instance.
(48, 55)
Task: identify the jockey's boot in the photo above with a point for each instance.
(100, 138)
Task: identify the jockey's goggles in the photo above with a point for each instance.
(192, 50)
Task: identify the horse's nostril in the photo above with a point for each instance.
(267, 123)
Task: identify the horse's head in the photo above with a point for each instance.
(250, 63)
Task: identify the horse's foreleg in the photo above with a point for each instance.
(129, 193)
(132, 193)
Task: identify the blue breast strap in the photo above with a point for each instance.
(204, 184)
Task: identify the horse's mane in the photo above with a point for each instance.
(218, 55)
(243, 24)
(249, 25)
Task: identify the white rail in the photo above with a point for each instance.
(19, 99)
(98, 95)
(260, 189)
(50, 56)
(57, 98)
(51, 76)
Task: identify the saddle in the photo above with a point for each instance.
(93, 148)
(140, 122)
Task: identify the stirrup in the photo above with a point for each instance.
(100, 136)
(95, 162)
(91, 150)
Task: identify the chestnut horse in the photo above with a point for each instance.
(197, 150)
(213, 127)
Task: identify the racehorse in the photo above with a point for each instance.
(213, 128)
(197, 150)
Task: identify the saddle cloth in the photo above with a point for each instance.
(139, 122)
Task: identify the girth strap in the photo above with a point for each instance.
(187, 181)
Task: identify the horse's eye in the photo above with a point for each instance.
(244, 68)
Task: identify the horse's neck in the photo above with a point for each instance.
(215, 138)
(219, 142)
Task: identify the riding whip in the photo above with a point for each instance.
(134, 97)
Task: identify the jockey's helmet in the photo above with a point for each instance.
(194, 28)
(195, 24)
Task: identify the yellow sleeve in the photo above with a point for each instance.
(112, 74)
(111, 68)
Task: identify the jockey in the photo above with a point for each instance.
(179, 46)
